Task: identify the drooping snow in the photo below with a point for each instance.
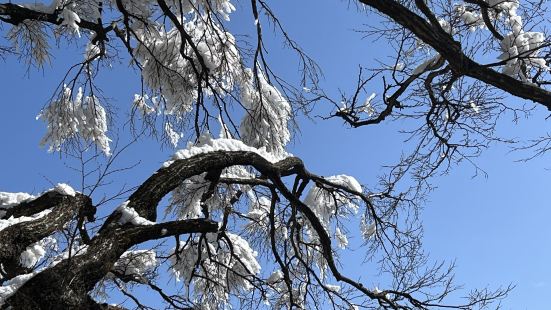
(129, 215)
(342, 240)
(186, 198)
(275, 277)
(333, 288)
(427, 63)
(472, 19)
(67, 119)
(92, 51)
(259, 221)
(137, 262)
(70, 19)
(186, 203)
(367, 107)
(214, 279)
(328, 203)
(268, 112)
(140, 103)
(368, 230)
(172, 135)
(164, 68)
(520, 49)
(8, 200)
(36, 251)
(475, 107)
(246, 254)
(237, 172)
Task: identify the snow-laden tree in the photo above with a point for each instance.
(247, 225)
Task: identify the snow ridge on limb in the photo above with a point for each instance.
(207, 144)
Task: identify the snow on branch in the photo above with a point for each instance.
(136, 263)
(207, 144)
(67, 118)
(268, 112)
(4, 223)
(225, 264)
(8, 200)
(129, 215)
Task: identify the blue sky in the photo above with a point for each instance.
(495, 228)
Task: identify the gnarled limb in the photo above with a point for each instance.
(16, 238)
(69, 282)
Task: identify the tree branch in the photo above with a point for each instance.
(16, 238)
(450, 49)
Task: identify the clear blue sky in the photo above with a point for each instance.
(495, 228)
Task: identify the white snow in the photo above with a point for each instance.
(259, 222)
(475, 108)
(36, 251)
(207, 144)
(65, 189)
(165, 69)
(427, 63)
(326, 205)
(265, 123)
(186, 198)
(70, 19)
(82, 117)
(140, 102)
(11, 286)
(275, 277)
(399, 66)
(522, 48)
(342, 240)
(367, 230)
(136, 262)
(333, 288)
(519, 48)
(129, 215)
(12, 221)
(8, 200)
(213, 279)
(346, 181)
(367, 106)
(172, 135)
